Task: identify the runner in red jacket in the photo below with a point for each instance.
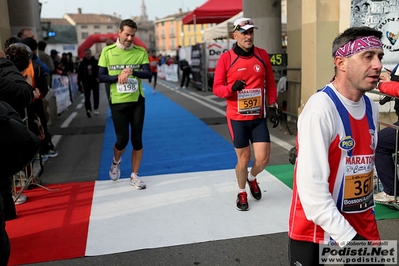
(244, 77)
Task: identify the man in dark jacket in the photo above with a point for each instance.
(185, 67)
(88, 81)
(19, 94)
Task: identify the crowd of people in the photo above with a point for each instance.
(23, 86)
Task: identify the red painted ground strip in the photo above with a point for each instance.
(51, 225)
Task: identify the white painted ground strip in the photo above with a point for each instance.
(178, 209)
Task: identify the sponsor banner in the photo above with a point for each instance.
(161, 71)
(60, 89)
(196, 65)
(213, 52)
(73, 84)
(383, 16)
(171, 72)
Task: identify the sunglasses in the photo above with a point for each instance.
(243, 23)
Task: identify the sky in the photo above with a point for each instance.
(123, 8)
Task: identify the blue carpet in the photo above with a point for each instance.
(174, 140)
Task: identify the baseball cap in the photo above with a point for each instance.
(54, 52)
(243, 24)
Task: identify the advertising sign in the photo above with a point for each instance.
(213, 52)
(383, 16)
(196, 65)
(60, 89)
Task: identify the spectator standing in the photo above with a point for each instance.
(56, 61)
(15, 91)
(186, 70)
(244, 77)
(19, 94)
(88, 81)
(41, 46)
(332, 196)
(71, 63)
(387, 142)
(124, 65)
(66, 66)
(178, 61)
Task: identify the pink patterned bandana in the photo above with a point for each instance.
(358, 45)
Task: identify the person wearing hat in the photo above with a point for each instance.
(244, 77)
(332, 202)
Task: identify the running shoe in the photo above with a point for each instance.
(242, 203)
(383, 197)
(52, 153)
(115, 171)
(44, 157)
(256, 193)
(96, 112)
(88, 113)
(136, 181)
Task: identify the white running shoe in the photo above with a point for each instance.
(137, 182)
(115, 171)
(383, 197)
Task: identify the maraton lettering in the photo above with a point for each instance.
(360, 160)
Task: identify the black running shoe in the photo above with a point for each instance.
(242, 203)
(256, 193)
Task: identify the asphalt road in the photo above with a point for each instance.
(74, 133)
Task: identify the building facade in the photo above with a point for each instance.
(170, 33)
(88, 24)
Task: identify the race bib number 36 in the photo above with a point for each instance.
(131, 86)
(358, 190)
(249, 101)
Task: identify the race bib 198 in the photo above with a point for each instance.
(131, 86)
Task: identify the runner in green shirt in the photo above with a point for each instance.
(123, 65)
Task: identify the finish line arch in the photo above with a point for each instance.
(96, 38)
